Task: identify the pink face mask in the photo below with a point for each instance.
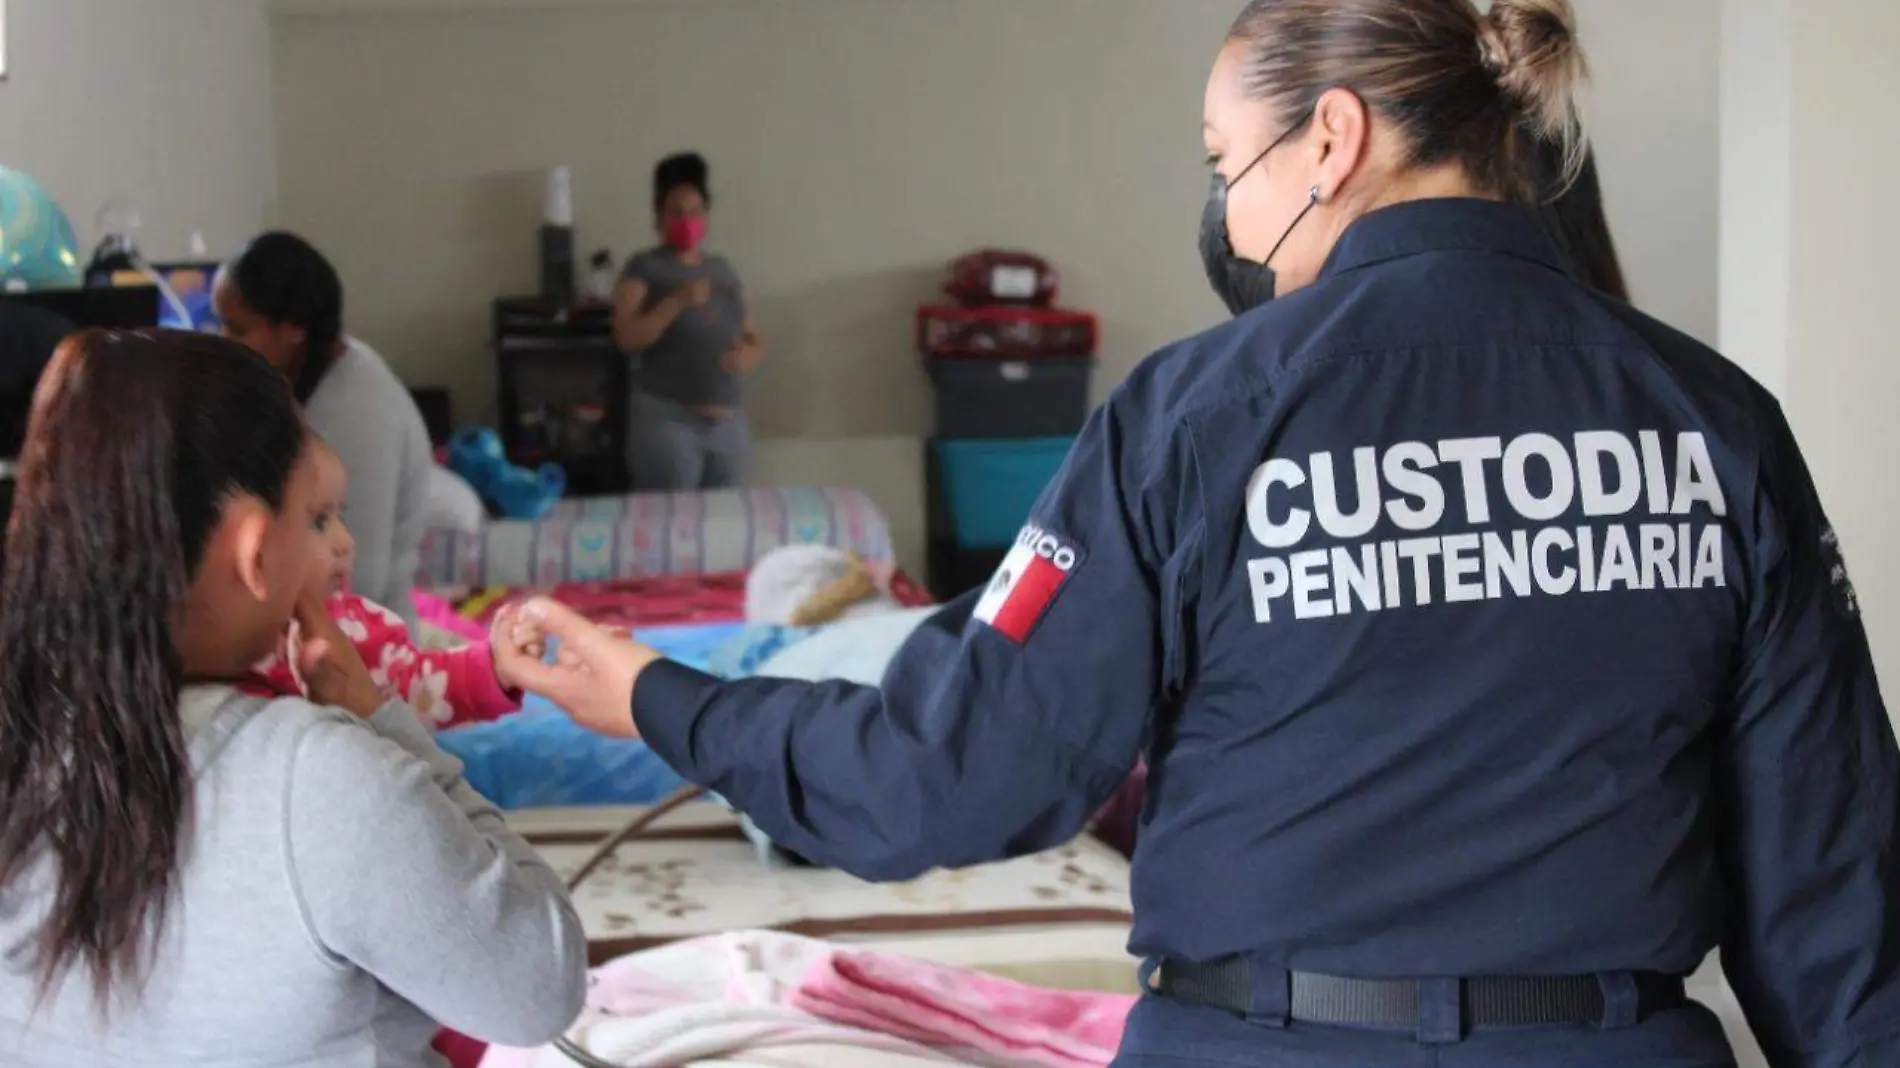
(686, 234)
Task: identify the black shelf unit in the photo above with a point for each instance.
(561, 391)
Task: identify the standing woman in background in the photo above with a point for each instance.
(281, 297)
(680, 314)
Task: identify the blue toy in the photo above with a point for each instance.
(517, 492)
(38, 248)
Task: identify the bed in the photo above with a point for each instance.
(669, 567)
(1058, 919)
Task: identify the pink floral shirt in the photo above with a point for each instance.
(446, 687)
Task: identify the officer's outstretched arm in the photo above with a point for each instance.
(995, 740)
(1809, 800)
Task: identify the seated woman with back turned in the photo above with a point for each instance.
(281, 297)
(190, 876)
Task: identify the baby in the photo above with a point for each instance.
(447, 687)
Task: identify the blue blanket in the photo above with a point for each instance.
(539, 758)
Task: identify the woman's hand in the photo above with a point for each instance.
(332, 671)
(742, 359)
(696, 292)
(593, 673)
(746, 354)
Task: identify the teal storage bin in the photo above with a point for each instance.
(990, 484)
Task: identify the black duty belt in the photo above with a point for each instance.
(1450, 1007)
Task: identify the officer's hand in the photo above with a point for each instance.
(593, 672)
(506, 636)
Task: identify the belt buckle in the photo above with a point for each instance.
(1269, 994)
(1441, 1011)
(1622, 1001)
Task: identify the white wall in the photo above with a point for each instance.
(1654, 113)
(164, 101)
(1808, 222)
(1843, 378)
(1757, 187)
(856, 146)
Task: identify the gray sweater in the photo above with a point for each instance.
(341, 888)
(369, 417)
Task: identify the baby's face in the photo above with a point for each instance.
(333, 485)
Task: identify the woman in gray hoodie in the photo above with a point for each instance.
(191, 875)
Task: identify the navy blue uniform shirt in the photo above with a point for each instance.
(1474, 624)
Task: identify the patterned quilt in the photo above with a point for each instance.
(604, 539)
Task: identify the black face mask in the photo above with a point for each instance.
(1242, 285)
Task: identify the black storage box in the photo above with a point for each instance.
(1044, 397)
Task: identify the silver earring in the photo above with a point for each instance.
(1315, 198)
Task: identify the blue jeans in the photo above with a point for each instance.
(1167, 1034)
(672, 448)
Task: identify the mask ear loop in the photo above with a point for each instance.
(1312, 201)
(1226, 187)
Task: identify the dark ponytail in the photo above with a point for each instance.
(284, 279)
(135, 445)
(1573, 213)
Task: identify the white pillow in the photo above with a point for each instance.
(453, 505)
(789, 576)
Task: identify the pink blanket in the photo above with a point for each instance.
(951, 1008)
(753, 997)
(435, 610)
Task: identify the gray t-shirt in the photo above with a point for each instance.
(340, 889)
(684, 365)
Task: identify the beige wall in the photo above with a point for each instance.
(163, 101)
(856, 146)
